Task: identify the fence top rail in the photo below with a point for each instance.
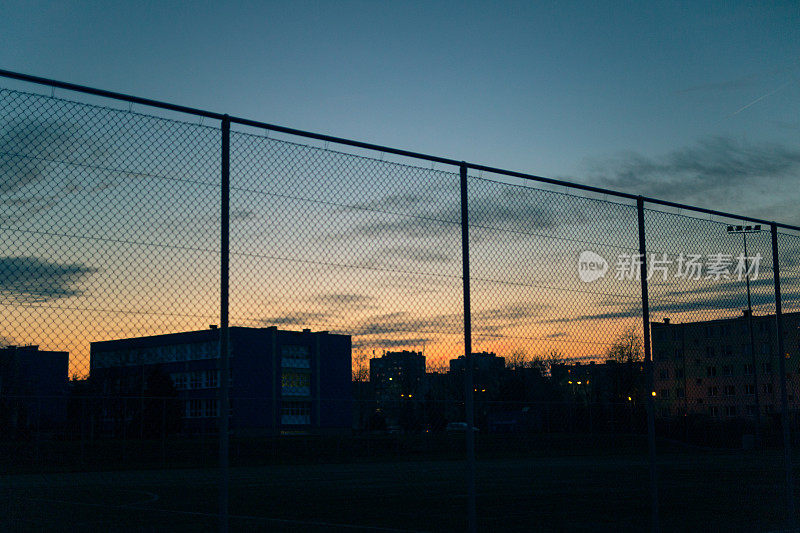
(370, 146)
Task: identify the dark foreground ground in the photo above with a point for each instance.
(699, 491)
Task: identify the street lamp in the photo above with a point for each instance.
(744, 230)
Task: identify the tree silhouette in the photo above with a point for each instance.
(627, 347)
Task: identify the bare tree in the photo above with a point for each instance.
(546, 361)
(517, 359)
(627, 347)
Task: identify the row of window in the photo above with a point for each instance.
(295, 379)
(729, 410)
(728, 351)
(714, 351)
(760, 327)
(295, 356)
(727, 390)
(296, 408)
(157, 354)
(730, 390)
(724, 330)
(711, 371)
(203, 379)
(205, 408)
(747, 370)
(295, 383)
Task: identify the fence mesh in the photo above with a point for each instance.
(109, 229)
(348, 406)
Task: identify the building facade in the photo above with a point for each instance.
(33, 388)
(281, 382)
(397, 375)
(488, 370)
(717, 369)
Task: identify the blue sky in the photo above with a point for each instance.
(582, 90)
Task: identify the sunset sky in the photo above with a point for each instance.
(109, 221)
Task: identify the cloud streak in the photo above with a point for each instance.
(709, 172)
(34, 151)
(724, 296)
(402, 328)
(30, 279)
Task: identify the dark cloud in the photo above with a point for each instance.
(297, 319)
(404, 322)
(497, 319)
(624, 312)
(343, 299)
(401, 328)
(722, 296)
(412, 342)
(35, 280)
(35, 151)
(706, 173)
(28, 147)
(418, 228)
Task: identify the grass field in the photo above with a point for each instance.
(699, 491)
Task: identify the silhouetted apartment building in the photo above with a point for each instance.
(397, 375)
(487, 371)
(600, 383)
(33, 388)
(398, 383)
(280, 381)
(712, 367)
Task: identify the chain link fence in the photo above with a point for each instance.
(412, 344)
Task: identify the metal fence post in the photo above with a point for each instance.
(224, 339)
(787, 443)
(648, 361)
(472, 523)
